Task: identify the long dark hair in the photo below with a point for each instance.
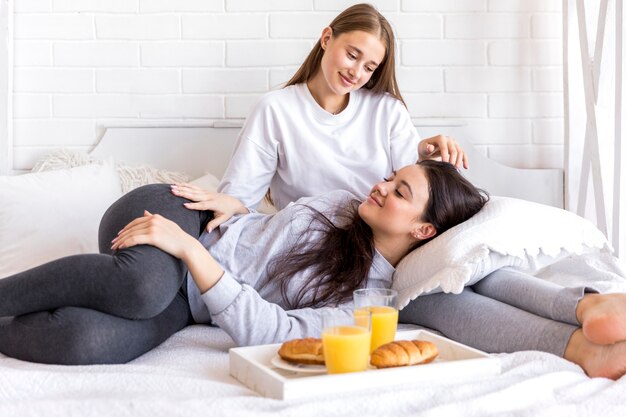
(340, 261)
(366, 18)
(452, 199)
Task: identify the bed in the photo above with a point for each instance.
(189, 374)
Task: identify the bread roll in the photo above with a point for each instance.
(404, 353)
(307, 351)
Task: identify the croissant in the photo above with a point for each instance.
(307, 351)
(404, 353)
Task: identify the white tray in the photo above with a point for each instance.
(251, 366)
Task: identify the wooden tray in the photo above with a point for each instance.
(252, 367)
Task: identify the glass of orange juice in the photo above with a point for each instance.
(381, 303)
(346, 341)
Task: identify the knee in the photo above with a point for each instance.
(152, 195)
(148, 190)
(58, 338)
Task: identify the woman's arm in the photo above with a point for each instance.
(238, 309)
(255, 157)
(222, 205)
(156, 230)
(251, 320)
(249, 173)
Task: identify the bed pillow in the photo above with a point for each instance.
(47, 215)
(131, 176)
(506, 232)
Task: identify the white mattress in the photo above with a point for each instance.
(188, 375)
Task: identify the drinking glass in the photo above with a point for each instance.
(381, 303)
(346, 339)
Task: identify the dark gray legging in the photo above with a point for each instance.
(101, 308)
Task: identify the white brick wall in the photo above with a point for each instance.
(94, 54)
(443, 53)
(142, 27)
(181, 55)
(138, 81)
(81, 64)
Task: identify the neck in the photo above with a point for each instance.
(327, 99)
(393, 249)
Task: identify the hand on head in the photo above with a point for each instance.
(446, 148)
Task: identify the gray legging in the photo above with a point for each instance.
(101, 308)
(507, 311)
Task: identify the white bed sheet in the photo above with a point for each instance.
(188, 375)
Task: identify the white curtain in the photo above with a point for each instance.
(593, 92)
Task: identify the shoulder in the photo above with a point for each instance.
(382, 100)
(273, 110)
(278, 98)
(386, 106)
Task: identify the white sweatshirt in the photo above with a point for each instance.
(297, 149)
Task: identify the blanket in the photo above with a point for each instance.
(188, 375)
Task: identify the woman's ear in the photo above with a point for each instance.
(327, 33)
(423, 231)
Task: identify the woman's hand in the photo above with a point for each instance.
(155, 230)
(445, 147)
(223, 206)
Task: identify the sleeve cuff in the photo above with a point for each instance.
(222, 294)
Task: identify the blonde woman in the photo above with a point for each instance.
(339, 123)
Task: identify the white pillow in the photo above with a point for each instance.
(506, 232)
(47, 215)
(131, 176)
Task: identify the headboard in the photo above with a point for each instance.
(197, 150)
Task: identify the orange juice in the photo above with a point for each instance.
(384, 324)
(346, 349)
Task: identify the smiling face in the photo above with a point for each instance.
(349, 60)
(395, 206)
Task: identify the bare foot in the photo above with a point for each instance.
(605, 361)
(603, 317)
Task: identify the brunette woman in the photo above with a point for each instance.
(339, 123)
(261, 278)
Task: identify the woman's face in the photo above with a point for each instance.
(349, 59)
(396, 205)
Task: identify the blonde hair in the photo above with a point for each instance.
(366, 18)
